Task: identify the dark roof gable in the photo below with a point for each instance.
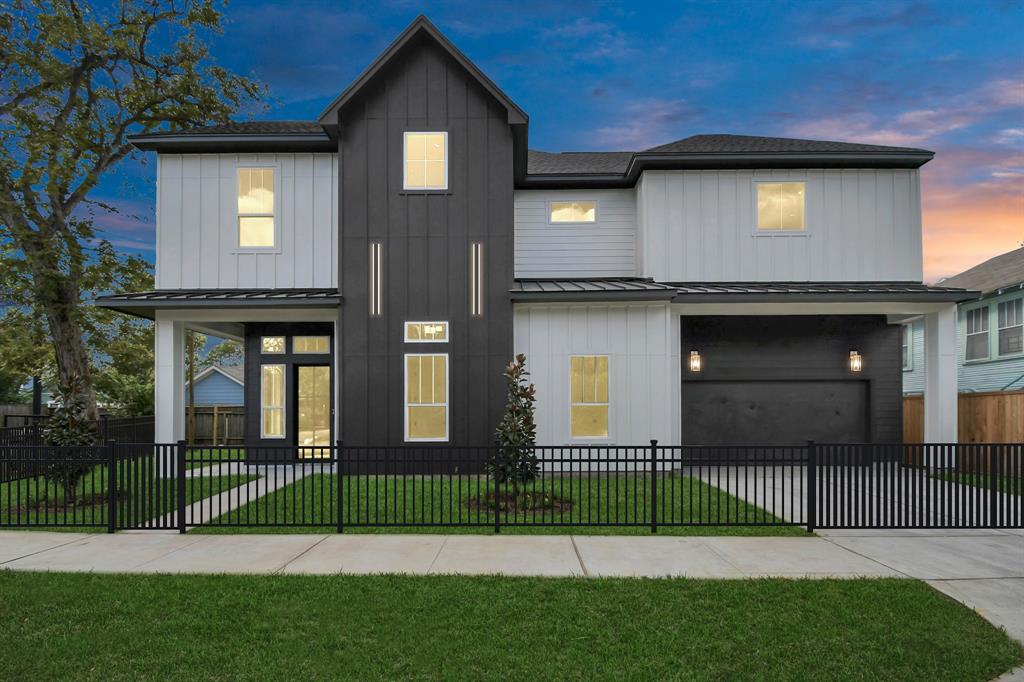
(421, 26)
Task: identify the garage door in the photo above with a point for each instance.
(774, 412)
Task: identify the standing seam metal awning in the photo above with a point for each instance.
(144, 303)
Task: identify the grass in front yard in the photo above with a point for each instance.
(311, 501)
(1004, 484)
(113, 627)
(143, 495)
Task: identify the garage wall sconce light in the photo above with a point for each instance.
(856, 361)
(695, 361)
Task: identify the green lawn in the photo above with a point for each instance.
(144, 494)
(195, 459)
(311, 502)
(1005, 484)
(118, 627)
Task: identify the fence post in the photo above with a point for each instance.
(654, 486)
(812, 486)
(339, 488)
(993, 487)
(180, 465)
(497, 501)
(111, 486)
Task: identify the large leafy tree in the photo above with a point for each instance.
(75, 80)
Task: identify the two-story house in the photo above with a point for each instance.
(384, 262)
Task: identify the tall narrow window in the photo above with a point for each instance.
(272, 401)
(780, 206)
(256, 208)
(907, 357)
(426, 161)
(476, 279)
(977, 334)
(375, 279)
(588, 396)
(1011, 327)
(426, 397)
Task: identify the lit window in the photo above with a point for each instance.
(311, 344)
(780, 206)
(977, 334)
(1011, 327)
(256, 207)
(907, 358)
(588, 388)
(272, 401)
(426, 161)
(272, 345)
(426, 397)
(573, 211)
(426, 332)
(476, 279)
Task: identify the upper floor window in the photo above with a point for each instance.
(426, 161)
(573, 211)
(977, 334)
(256, 208)
(1011, 327)
(780, 207)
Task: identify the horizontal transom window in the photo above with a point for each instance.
(426, 332)
(272, 344)
(311, 344)
(573, 211)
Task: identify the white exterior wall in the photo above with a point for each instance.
(197, 223)
(862, 224)
(605, 248)
(642, 342)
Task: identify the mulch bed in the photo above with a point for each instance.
(525, 503)
(57, 506)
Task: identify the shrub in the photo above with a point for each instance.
(515, 460)
(68, 429)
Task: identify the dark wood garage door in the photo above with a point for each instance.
(774, 412)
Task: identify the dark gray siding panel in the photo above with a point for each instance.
(798, 357)
(426, 238)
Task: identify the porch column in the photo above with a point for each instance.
(169, 403)
(940, 376)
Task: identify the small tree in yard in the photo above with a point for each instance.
(515, 461)
(68, 429)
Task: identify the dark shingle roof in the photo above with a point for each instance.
(748, 144)
(576, 163)
(247, 128)
(997, 273)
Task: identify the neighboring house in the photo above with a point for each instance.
(383, 263)
(221, 385)
(990, 330)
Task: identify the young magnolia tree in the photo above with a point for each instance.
(515, 461)
(75, 80)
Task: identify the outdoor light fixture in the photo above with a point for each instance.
(694, 361)
(856, 361)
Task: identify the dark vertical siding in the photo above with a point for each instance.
(807, 348)
(426, 238)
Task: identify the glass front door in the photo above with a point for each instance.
(314, 405)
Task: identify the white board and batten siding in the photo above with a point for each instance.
(698, 226)
(197, 223)
(641, 341)
(605, 248)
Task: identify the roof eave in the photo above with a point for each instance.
(589, 296)
(188, 144)
(800, 297)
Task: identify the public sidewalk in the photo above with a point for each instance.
(982, 569)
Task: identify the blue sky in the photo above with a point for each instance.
(947, 76)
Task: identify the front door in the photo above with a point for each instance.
(314, 409)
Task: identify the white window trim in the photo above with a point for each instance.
(999, 329)
(806, 232)
(908, 331)
(604, 440)
(447, 331)
(446, 403)
(405, 138)
(284, 403)
(311, 352)
(988, 333)
(276, 248)
(597, 211)
(283, 351)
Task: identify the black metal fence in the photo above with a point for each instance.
(177, 486)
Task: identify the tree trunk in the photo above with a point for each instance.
(68, 344)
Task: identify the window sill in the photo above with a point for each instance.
(248, 252)
(424, 192)
(767, 233)
(988, 361)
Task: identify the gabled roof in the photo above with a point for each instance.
(745, 144)
(235, 373)
(422, 26)
(1002, 272)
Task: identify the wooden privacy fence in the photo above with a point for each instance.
(996, 417)
(216, 425)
